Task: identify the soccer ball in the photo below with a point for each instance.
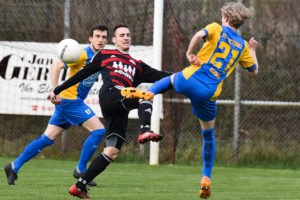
(68, 50)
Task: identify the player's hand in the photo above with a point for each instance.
(54, 98)
(253, 44)
(56, 101)
(193, 59)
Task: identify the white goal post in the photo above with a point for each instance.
(156, 63)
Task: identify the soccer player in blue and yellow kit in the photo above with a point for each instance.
(202, 81)
(70, 109)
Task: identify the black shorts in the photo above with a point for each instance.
(115, 109)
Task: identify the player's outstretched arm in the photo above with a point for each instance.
(79, 76)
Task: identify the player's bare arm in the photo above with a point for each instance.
(79, 76)
(55, 72)
(194, 43)
(88, 70)
(55, 69)
(253, 44)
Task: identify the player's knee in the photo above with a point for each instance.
(53, 131)
(95, 137)
(114, 140)
(148, 101)
(113, 144)
(208, 135)
(205, 125)
(106, 158)
(93, 123)
(98, 132)
(46, 140)
(111, 152)
(145, 106)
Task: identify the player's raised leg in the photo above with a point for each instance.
(158, 87)
(131, 92)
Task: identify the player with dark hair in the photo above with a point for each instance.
(202, 81)
(70, 109)
(118, 70)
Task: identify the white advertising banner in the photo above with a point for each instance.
(25, 77)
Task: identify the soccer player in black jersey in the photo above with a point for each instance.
(118, 70)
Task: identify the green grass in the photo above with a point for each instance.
(50, 179)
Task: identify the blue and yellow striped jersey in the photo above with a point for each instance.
(81, 89)
(223, 49)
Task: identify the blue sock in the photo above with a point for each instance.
(31, 150)
(89, 147)
(161, 86)
(208, 151)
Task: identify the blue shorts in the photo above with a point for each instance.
(199, 91)
(71, 112)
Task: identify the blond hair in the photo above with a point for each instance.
(236, 13)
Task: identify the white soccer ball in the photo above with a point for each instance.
(68, 50)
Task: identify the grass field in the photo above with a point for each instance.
(50, 179)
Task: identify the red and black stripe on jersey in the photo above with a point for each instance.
(118, 68)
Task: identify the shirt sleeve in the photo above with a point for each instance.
(88, 70)
(246, 59)
(150, 75)
(211, 29)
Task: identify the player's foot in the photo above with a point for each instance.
(205, 191)
(149, 136)
(10, 174)
(77, 175)
(131, 92)
(74, 191)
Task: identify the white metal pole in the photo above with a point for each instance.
(157, 55)
(67, 10)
